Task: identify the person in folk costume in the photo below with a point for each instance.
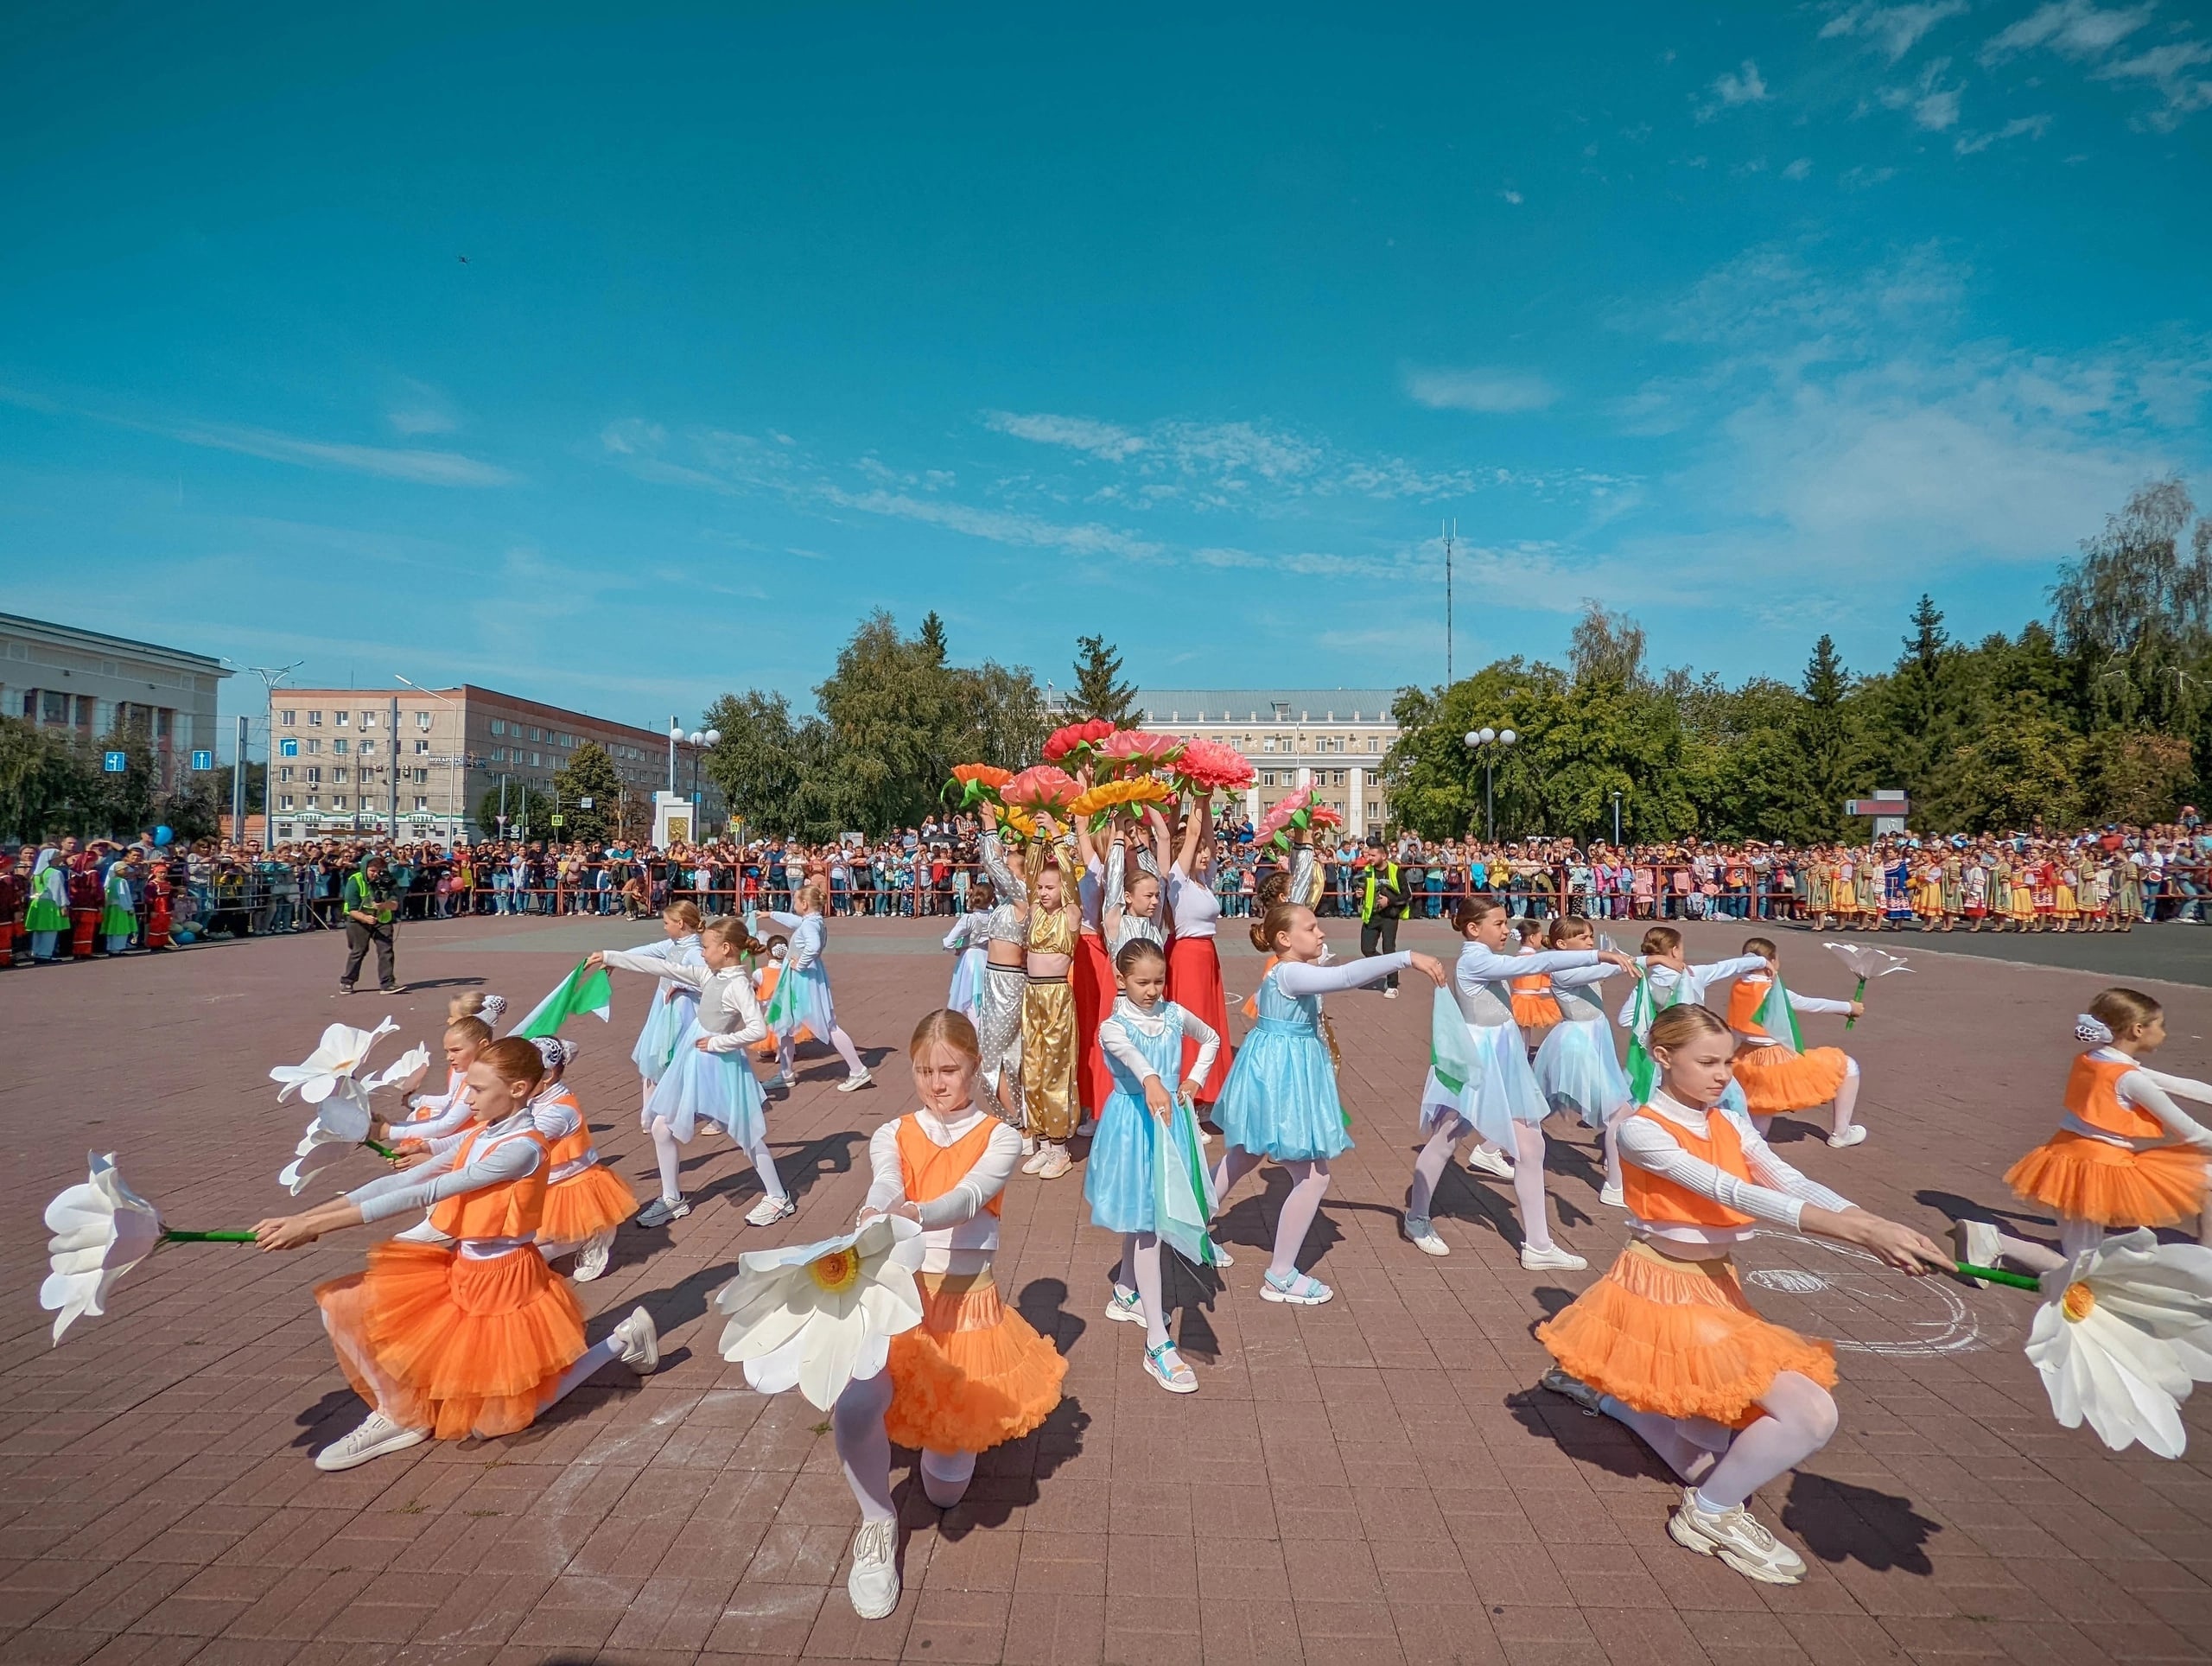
(585, 1200)
(2124, 1154)
(1193, 960)
(1281, 1103)
(967, 942)
(670, 1012)
(1146, 1123)
(159, 918)
(12, 901)
(1005, 934)
(475, 1336)
(1051, 948)
(1091, 980)
(803, 999)
(1974, 891)
(1950, 883)
(973, 1375)
(1927, 882)
(47, 915)
(1502, 1105)
(86, 900)
(709, 1078)
(1667, 1343)
(1774, 1069)
(1668, 979)
(2128, 899)
(118, 916)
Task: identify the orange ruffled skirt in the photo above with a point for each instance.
(973, 1374)
(1678, 1337)
(1535, 1012)
(1775, 1079)
(436, 1340)
(2087, 1180)
(598, 1200)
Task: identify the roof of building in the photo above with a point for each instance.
(1226, 705)
(74, 632)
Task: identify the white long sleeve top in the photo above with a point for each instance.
(2150, 1090)
(1670, 987)
(958, 1233)
(1482, 979)
(729, 1012)
(1114, 1037)
(1196, 909)
(685, 948)
(1777, 1194)
(1298, 978)
(500, 1155)
(1575, 988)
(970, 931)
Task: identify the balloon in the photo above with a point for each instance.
(162, 836)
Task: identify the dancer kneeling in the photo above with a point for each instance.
(476, 1337)
(973, 1375)
(1667, 1342)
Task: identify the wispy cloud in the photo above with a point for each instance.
(1800, 168)
(2083, 32)
(1076, 433)
(1968, 144)
(2073, 28)
(1892, 30)
(1744, 86)
(1934, 105)
(421, 409)
(1479, 389)
(2172, 69)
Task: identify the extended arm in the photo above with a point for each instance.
(1818, 1003)
(420, 1188)
(692, 974)
(1779, 1196)
(1297, 978)
(1004, 880)
(2142, 1089)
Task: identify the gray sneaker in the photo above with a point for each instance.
(660, 1212)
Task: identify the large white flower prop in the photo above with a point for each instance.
(404, 1072)
(2124, 1334)
(101, 1231)
(319, 1147)
(816, 1316)
(1868, 963)
(332, 1067)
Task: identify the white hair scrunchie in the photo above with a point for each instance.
(493, 1006)
(555, 1052)
(2094, 1031)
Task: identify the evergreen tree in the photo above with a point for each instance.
(1098, 691)
(932, 638)
(1826, 740)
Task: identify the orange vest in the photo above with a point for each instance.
(507, 1209)
(1653, 1198)
(2093, 1096)
(929, 1170)
(571, 1146)
(1744, 999)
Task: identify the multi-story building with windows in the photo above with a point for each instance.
(96, 685)
(1331, 739)
(332, 754)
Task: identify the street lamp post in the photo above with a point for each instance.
(456, 761)
(699, 741)
(1486, 742)
(1616, 818)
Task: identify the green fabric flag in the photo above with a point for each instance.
(1182, 1191)
(1451, 1053)
(579, 992)
(1778, 1018)
(1642, 1069)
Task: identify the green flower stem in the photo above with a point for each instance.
(1998, 1275)
(381, 1150)
(170, 1235)
(1858, 994)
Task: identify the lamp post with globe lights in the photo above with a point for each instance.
(1486, 742)
(700, 740)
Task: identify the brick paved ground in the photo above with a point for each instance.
(1376, 1479)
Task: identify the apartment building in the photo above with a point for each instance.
(1331, 739)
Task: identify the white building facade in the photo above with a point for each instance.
(95, 685)
(1331, 739)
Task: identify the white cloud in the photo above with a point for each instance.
(1934, 105)
(1893, 29)
(1970, 144)
(998, 526)
(417, 467)
(2073, 28)
(1748, 87)
(1076, 433)
(2169, 69)
(1800, 168)
(1489, 390)
(1514, 197)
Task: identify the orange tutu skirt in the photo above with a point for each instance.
(1678, 1337)
(1775, 1079)
(973, 1374)
(436, 1340)
(1535, 1012)
(598, 1200)
(2087, 1180)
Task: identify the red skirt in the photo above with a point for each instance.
(1092, 977)
(1194, 984)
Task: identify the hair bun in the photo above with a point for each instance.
(555, 1052)
(491, 1006)
(2094, 1031)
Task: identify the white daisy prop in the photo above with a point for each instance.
(1869, 962)
(332, 1067)
(816, 1316)
(404, 1072)
(101, 1231)
(2124, 1334)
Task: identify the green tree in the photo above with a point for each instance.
(121, 803)
(2018, 775)
(2134, 776)
(1828, 739)
(528, 808)
(589, 773)
(1098, 691)
(2135, 612)
(44, 785)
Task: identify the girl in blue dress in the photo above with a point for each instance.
(674, 1001)
(801, 999)
(1143, 1123)
(1280, 1102)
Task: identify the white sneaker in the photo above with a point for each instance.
(1036, 1160)
(873, 1583)
(1855, 1135)
(639, 1343)
(1127, 1306)
(1978, 1244)
(1551, 1259)
(1222, 1257)
(591, 1260)
(1738, 1538)
(1055, 1164)
(1028, 1146)
(1613, 1197)
(1420, 1232)
(373, 1439)
(660, 1212)
(1490, 1162)
(769, 1211)
(1389, 995)
(855, 1083)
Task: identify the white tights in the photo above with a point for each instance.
(787, 1058)
(1847, 1101)
(1528, 1175)
(864, 1450)
(1727, 1467)
(1309, 1183)
(668, 1149)
(1140, 1272)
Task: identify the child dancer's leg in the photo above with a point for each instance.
(1845, 1131)
(864, 1452)
(1309, 1183)
(945, 1476)
(1529, 1192)
(847, 1050)
(1690, 1459)
(1428, 1169)
(669, 1152)
(1801, 1418)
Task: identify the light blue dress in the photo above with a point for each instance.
(1118, 1179)
(1506, 1091)
(1576, 1066)
(673, 1005)
(1281, 1098)
(801, 999)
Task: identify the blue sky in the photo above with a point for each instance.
(1754, 320)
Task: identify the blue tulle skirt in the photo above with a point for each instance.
(1118, 1178)
(708, 1087)
(664, 1021)
(1506, 1093)
(966, 994)
(802, 1002)
(1577, 1071)
(1281, 1098)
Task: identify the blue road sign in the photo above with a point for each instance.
(287, 748)
(115, 762)
(203, 759)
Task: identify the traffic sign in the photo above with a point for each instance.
(203, 759)
(287, 748)
(1900, 805)
(583, 803)
(114, 763)
(556, 818)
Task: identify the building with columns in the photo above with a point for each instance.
(95, 685)
(1331, 739)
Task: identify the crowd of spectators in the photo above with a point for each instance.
(2101, 878)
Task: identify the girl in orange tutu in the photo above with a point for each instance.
(2124, 1154)
(973, 1375)
(1536, 1008)
(479, 1337)
(585, 1200)
(1667, 1343)
(1775, 1070)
